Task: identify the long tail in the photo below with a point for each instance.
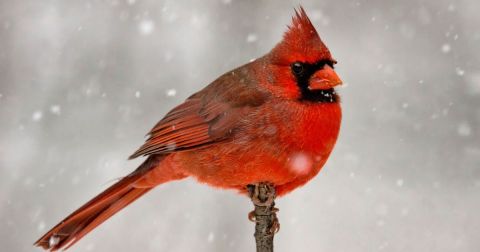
(106, 204)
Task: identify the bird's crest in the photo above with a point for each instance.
(301, 41)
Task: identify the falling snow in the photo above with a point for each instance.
(473, 83)
(399, 182)
(81, 82)
(146, 27)
(53, 241)
(251, 38)
(211, 237)
(300, 163)
(446, 48)
(171, 92)
(41, 226)
(459, 71)
(55, 109)
(37, 116)
(464, 129)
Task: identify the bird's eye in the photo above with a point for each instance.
(297, 68)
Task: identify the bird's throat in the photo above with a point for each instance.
(321, 96)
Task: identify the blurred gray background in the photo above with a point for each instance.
(81, 82)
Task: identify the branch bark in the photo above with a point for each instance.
(265, 218)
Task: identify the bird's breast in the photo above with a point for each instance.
(307, 127)
(279, 143)
(295, 138)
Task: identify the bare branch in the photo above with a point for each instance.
(265, 217)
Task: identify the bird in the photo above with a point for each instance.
(275, 119)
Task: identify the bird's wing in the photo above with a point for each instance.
(207, 117)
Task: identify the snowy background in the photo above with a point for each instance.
(81, 82)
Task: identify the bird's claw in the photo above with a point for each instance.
(251, 216)
(254, 193)
(263, 197)
(275, 228)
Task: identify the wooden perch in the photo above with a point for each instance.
(265, 217)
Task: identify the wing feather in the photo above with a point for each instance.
(207, 117)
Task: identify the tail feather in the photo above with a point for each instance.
(98, 210)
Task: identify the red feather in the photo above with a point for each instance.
(250, 125)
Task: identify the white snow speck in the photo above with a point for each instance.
(53, 241)
(75, 180)
(146, 27)
(211, 237)
(399, 182)
(55, 109)
(252, 37)
(37, 116)
(41, 226)
(473, 83)
(171, 146)
(451, 7)
(90, 247)
(405, 105)
(137, 94)
(131, 2)
(300, 163)
(464, 129)
(171, 92)
(459, 71)
(446, 48)
(226, 1)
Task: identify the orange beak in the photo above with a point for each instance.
(324, 79)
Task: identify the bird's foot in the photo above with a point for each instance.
(257, 190)
(265, 214)
(275, 227)
(251, 216)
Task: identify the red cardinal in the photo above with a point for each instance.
(274, 120)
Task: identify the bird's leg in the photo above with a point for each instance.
(275, 223)
(262, 194)
(266, 222)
